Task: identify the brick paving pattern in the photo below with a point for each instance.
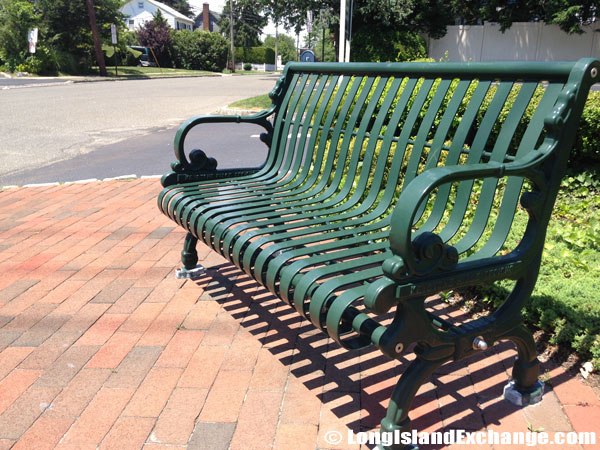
(101, 347)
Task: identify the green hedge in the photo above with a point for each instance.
(255, 55)
(586, 149)
(198, 50)
(391, 45)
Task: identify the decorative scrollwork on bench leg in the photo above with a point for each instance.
(189, 257)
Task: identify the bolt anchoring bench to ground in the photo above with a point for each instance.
(386, 184)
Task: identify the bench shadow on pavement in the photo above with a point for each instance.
(450, 401)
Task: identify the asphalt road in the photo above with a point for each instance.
(233, 145)
(123, 127)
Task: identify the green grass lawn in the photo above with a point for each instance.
(564, 304)
(258, 103)
(149, 72)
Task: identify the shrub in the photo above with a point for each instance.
(255, 55)
(198, 50)
(66, 62)
(387, 46)
(16, 19)
(586, 148)
(587, 143)
(42, 62)
(565, 301)
(247, 66)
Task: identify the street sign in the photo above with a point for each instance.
(32, 37)
(113, 33)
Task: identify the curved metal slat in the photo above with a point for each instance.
(512, 191)
(489, 186)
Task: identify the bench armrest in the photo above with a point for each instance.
(416, 256)
(260, 118)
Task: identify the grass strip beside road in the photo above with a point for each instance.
(149, 72)
(257, 103)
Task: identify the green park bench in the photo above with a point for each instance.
(385, 184)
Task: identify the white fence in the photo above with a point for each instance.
(256, 67)
(524, 41)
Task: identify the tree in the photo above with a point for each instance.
(371, 17)
(570, 15)
(425, 16)
(329, 48)
(65, 30)
(248, 22)
(287, 47)
(16, 19)
(156, 35)
(180, 5)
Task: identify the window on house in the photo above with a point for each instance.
(141, 5)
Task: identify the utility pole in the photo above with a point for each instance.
(345, 30)
(231, 36)
(342, 44)
(276, 43)
(97, 44)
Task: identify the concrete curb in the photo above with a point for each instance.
(89, 180)
(66, 80)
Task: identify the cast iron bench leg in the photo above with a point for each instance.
(189, 257)
(396, 418)
(525, 387)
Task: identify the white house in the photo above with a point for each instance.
(138, 12)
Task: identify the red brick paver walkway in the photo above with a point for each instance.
(101, 347)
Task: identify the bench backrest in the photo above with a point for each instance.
(366, 130)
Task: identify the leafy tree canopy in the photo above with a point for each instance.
(64, 29)
(570, 15)
(286, 47)
(180, 5)
(248, 20)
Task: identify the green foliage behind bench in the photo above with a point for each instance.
(198, 50)
(255, 55)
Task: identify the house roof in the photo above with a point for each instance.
(214, 18)
(170, 10)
